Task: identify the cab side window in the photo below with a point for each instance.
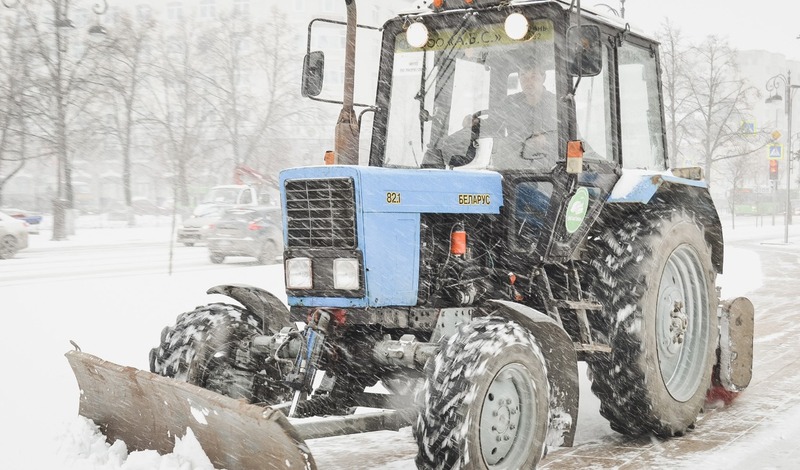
(531, 203)
(593, 112)
(640, 109)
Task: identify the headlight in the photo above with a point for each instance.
(346, 274)
(298, 273)
(516, 26)
(417, 35)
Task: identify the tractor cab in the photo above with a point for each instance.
(531, 91)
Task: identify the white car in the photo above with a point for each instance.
(13, 236)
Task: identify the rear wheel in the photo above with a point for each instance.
(486, 401)
(8, 247)
(216, 258)
(656, 281)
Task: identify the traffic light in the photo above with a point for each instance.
(773, 170)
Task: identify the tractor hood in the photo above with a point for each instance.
(414, 191)
(372, 215)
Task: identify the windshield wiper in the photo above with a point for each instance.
(446, 56)
(444, 73)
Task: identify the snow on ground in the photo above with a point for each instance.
(118, 318)
(121, 320)
(776, 447)
(741, 273)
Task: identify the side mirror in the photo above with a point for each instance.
(313, 73)
(585, 51)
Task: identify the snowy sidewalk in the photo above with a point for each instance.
(98, 230)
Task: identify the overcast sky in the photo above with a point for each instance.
(772, 25)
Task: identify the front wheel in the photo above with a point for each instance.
(486, 401)
(201, 349)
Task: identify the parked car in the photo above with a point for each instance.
(33, 220)
(215, 203)
(13, 235)
(195, 229)
(247, 231)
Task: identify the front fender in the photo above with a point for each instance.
(273, 313)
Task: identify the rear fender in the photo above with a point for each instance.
(678, 188)
(561, 362)
(273, 313)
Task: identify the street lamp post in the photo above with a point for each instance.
(773, 85)
(620, 12)
(64, 200)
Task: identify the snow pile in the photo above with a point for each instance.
(84, 447)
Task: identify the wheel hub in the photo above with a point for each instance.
(682, 324)
(502, 414)
(503, 426)
(504, 417)
(679, 322)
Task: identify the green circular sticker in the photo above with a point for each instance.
(576, 209)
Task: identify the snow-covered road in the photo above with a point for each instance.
(108, 290)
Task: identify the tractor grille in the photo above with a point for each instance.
(321, 213)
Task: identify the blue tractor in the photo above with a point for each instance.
(515, 214)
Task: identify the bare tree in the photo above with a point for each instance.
(64, 91)
(721, 101)
(176, 105)
(676, 82)
(14, 90)
(124, 74)
(251, 86)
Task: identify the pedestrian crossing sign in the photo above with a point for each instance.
(775, 152)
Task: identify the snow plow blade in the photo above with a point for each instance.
(148, 411)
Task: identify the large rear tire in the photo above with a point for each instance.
(486, 400)
(201, 349)
(655, 278)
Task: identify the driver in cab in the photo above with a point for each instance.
(522, 125)
(526, 130)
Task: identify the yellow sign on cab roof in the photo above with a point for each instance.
(474, 37)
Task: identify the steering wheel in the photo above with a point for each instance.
(534, 156)
(474, 121)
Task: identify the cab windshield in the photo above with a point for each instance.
(474, 98)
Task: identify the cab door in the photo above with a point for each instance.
(577, 200)
(618, 115)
